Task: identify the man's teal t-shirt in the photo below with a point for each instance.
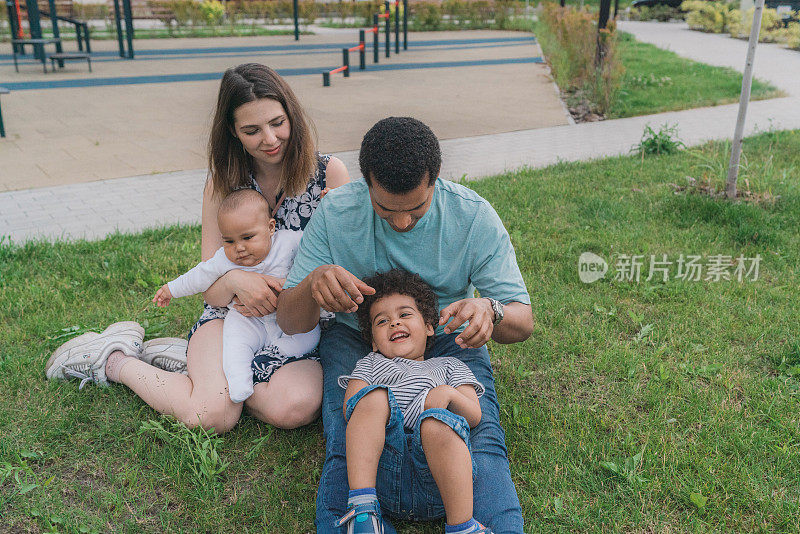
(460, 244)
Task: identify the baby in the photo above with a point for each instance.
(250, 244)
(394, 391)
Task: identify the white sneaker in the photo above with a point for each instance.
(168, 353)
(85, 356)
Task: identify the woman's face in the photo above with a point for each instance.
(263, 128)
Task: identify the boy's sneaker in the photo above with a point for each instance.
(167, 353)
(362, 519)
(85, 356)
(472, 527)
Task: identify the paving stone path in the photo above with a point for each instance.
(92, 210)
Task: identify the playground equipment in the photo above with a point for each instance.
(3, 91)
(375, 30)
(123, 17)
(35, 38)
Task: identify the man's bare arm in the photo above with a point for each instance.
(297, 310)
(517, 323)
(329, 287)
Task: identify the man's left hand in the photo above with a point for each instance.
(480, 315)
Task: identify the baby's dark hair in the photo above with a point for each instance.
(243, 198)
(399, 282)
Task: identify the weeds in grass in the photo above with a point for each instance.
(664, 141)
(199, 444)
(711, 167)
(627, 470)
(787, 364)
(20, 474)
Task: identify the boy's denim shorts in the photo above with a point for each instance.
(405, 486)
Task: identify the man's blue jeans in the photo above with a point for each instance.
(496, 504)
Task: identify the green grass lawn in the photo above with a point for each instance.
(658, 80)
(651, 406)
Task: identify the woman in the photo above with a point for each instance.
(261, 139)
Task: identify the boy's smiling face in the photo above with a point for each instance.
(398, 329)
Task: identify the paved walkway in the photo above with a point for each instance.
(152, 115)
(94, 209)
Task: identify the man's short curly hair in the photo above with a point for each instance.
(399, 282)
(398, 152)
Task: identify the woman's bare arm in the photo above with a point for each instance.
(336, 174)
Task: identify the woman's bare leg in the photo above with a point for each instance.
(291, 398)
(201, 398)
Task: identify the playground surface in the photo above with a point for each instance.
(151, 114)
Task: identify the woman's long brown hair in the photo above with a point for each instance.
(228, 162)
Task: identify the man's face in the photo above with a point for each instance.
(401, 210)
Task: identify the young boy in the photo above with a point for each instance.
(393, 394)
(250, 243)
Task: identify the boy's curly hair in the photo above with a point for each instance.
(399, 282)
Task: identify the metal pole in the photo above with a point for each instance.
(126, 8)
(117, 18)
(362, 54)
(296, 22)
(14, 26)
(388, 29)
(346, 62)
(744, 99)
(87, 38)
(56, 33)
(35, 28)
(405, 24)
(375, 39)
(2, 126)
(396, 26)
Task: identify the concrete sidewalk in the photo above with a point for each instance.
(152, 115)
(92, 210)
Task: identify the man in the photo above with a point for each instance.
(403, 216)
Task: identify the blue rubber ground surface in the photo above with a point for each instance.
(204, 76)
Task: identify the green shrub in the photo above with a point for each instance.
(345, 9)
(713, 17)
(284, 9)
(366, 9)
(793, 35)
(308, 11)
(88, 11)
(213, 12)
(740, 25)
(427, 16)
(661, 13)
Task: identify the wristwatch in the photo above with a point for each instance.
(497, 308)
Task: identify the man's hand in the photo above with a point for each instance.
(256, 294)
(163, 296)
(337, 290)
(480, 315)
